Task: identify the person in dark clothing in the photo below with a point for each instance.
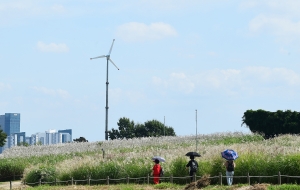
(192, 166)
(230, 165)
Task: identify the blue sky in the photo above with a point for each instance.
(219, 57)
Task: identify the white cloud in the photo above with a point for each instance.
(58, 8)
(212, 53)
(135, 96)
(232, 81)
(52, 92)
(177, 82)
(290, 7)
(15, 5)
(248, 4)
(138, 32)
(4, 86)
(18, 11)
(279, 76)
(279, 18)
(52, 47)
(284, 51)
(115, 94)
(278, 25)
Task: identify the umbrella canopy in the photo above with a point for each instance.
(161, 159)
(193, 154)
(229, 154)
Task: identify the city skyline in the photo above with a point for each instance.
(10, 123)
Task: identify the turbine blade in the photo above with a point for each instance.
(111, 47)
(98, 57)
(114, 64)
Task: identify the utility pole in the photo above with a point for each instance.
(196, 131)
(164, 127)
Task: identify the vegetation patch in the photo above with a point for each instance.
(132, 158)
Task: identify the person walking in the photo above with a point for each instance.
(156, 171)
(192, 165)
(230, 165)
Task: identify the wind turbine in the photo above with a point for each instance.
(106, 107)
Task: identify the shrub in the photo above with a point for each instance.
(42, 172)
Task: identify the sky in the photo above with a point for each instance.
(218, 57)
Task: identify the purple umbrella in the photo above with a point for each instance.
(229, 154)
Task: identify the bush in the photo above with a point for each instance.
(11, 169)
(43, 173)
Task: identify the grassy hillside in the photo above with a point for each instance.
(133, 157)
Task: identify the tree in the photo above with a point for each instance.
(38, 143)
(272, 123)
(23, 144)
(80, 139)
(127, 129)
(155, 128)
(2, 138)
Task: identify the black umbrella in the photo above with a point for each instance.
(193, 154)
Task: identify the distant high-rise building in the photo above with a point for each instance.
(60, 136)
(51, 137)
(28, 140)
(65, 135)
(16, 139)
(10, 124)
(38, 139)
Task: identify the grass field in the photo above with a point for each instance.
(132, 158)
(165, 186)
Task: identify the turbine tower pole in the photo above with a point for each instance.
(106, 106)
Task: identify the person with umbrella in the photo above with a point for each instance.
(192, 165)
(156, 170)
(230, 156)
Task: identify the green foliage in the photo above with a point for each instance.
(272, 123)
(284, 187)
(121, 161)
(38, 143)
(23, 144)
(155, 128)
(11, 168)
(234, 140)
(112, 187)
(45, 173)
(136, 168)
(80, 139)
(178, 167)
(128, 129)
(2, 138)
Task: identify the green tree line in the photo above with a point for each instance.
(128, 129)
(272, 123)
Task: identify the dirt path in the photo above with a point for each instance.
(14, 184)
